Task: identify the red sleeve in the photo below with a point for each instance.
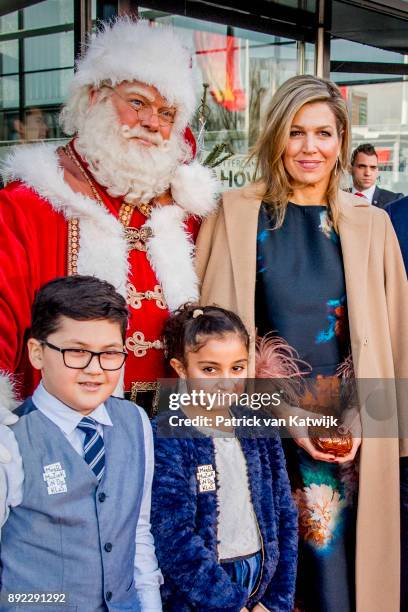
(31, 247)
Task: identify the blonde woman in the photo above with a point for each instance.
(295, 255)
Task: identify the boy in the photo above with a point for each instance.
(79, 525)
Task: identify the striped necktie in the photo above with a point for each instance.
(94, 449)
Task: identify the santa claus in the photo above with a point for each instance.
(120, 201)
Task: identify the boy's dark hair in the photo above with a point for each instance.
(82, 298)
(191, 325)
(366, 148)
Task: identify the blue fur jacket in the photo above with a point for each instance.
(184, 525)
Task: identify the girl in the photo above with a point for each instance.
(222, 514)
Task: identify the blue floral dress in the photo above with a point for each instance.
(301, 296)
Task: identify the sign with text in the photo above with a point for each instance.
(235, 172)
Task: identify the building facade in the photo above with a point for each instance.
(242, 51)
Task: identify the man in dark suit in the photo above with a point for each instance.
(398, 212)
(364, 170)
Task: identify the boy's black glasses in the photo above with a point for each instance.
(77, 359)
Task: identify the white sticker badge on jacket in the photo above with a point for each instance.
(206, 478)
(54, 476)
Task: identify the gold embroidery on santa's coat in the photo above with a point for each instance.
(138, 345)
(135, 297)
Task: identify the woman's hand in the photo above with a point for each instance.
(352, 423)
(300, 434)
(351, 455)
(245, 610)
(310, 448)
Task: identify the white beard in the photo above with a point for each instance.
(122, 165)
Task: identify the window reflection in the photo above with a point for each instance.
(378, 105)
(35, 70)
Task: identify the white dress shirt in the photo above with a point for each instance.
(148, 577)
(367, 193)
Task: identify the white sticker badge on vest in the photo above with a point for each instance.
(54, 476)
(206, 478)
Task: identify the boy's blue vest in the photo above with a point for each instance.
(80, 542)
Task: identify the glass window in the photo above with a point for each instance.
(47, 87)
(48, 13)
(9, 92)
(309, 67)
(9, 22)
(8, 125)
(51, 51)
(378, 105)
(35, 70)
(346, 50)
(9, 57)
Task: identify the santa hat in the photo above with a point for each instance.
(128, 50)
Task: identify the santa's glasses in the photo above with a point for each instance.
(165, 116)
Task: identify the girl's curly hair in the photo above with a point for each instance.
(191, 325)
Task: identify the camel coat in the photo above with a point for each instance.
(377, 299)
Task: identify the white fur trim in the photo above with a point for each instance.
(195, 188)
(139, 51)
(103, 248)
(8, 399)
(170, 253)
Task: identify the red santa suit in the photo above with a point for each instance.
(48, 230)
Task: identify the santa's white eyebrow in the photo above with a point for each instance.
(139, 89)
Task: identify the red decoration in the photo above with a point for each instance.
(219, 58)
(189, 138)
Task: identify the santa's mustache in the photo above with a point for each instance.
(138, 132)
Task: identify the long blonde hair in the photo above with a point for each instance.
(270, 147)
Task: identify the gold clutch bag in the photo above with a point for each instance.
(331, 440)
